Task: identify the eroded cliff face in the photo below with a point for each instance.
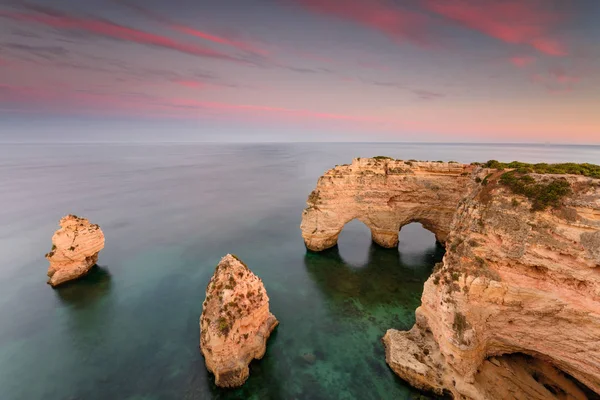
(512, 281)
(75, 248)
(515, 305)
(235, 322)
(385, 195)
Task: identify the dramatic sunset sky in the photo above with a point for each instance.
(301, 70)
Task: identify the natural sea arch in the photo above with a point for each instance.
(385, 199)
(355, 239)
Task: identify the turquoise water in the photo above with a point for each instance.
(129, 330)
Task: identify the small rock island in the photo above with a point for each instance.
(235, 322)
(75, 248)
(513, 311)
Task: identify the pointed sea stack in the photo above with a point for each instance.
(75, 248)
(235, 322)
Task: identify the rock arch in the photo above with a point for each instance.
(385, 195)
(513, 279)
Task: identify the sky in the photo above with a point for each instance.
(300, 70)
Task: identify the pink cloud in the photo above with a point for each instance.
(549, 46)
(500, 125)
(557, 79)
(62, 100)
(562, 76)
(111, 30)
(191, 84)
(66, 101)
(239, 44)
(219, 39)
(522, 61)
(282, 111)
(527, 22)
(396, 23)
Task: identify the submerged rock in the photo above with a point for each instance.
(75, 248)
(309, 358)
(235, 322)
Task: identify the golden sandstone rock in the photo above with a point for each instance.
(515, 305)
(385, 195)
(235, 322)
(75, 248)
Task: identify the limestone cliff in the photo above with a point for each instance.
(235, 322)
(513, 312)
(384, 194)
(75, 248)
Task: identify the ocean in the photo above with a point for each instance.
(129, 330)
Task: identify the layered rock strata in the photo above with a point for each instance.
(385, 195)
(75, 248)
(513, 311)
(235, 322)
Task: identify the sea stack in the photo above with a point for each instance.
(75, 248)
(235, 322)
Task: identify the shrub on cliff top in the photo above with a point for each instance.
(584, 169)
(542, 194)
(382, 158)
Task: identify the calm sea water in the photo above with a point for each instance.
(129, 330)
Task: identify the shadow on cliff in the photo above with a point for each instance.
(87, 290)
(385, 278)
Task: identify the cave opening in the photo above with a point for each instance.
(531, 377)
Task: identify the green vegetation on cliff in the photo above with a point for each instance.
(584, 169)
(541, 194)
(382, 158)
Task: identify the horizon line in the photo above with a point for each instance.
(306, 142)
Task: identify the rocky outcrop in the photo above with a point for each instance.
(385, 195)
(75, 248)
(235, 322)
(513, 311)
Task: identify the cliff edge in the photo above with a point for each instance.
(513, 311)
